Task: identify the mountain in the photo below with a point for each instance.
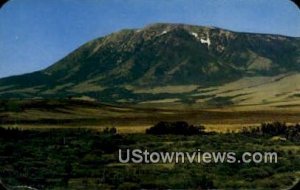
(171, 63)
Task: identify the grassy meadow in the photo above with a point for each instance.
(44, 114)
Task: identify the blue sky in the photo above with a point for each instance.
(36, 33)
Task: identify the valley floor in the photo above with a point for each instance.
(43, 114)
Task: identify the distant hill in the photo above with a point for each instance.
(169, 63)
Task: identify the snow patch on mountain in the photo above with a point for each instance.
(205, 41)
(164, 32)
(195, 35)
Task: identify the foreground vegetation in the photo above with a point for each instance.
(86, 159)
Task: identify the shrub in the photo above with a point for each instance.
(273, 129)
(291, 132)
(112, 130)
(176, 128)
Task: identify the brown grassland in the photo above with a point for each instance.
(45, 114)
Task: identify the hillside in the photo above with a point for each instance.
(172, 63)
